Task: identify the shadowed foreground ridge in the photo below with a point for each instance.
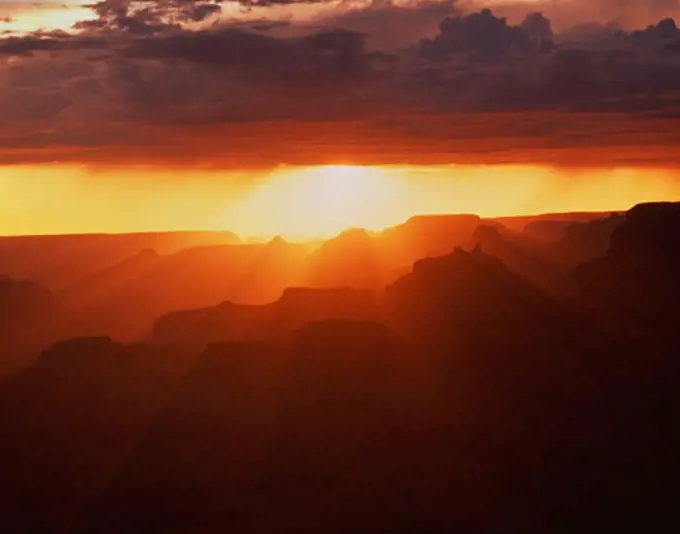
(523, 380)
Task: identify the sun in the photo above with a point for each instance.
(320, 201)
(340, 190)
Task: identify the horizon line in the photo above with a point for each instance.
(302, 238)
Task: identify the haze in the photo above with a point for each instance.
(305, 202)
(339, 266)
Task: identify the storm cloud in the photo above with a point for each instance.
(169, 79)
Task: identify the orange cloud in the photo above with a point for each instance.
(563, 139)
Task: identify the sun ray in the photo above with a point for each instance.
(323, 201)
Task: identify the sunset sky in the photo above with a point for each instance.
(303, 118)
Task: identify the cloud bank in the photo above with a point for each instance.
(209, 83)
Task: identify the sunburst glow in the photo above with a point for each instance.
(322, 201)
(305, 202)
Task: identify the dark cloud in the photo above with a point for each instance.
(153, 16)
(137, 75)
(580, 140)
(231, 74)
(389, 26)
(626, 14)
(483, 62)
(261, 25)
(481, 35)
(665, 31)
(149, 16)
(537, 27)
(269, 3)
(48, 42)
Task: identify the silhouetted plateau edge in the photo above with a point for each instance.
(504, 380)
